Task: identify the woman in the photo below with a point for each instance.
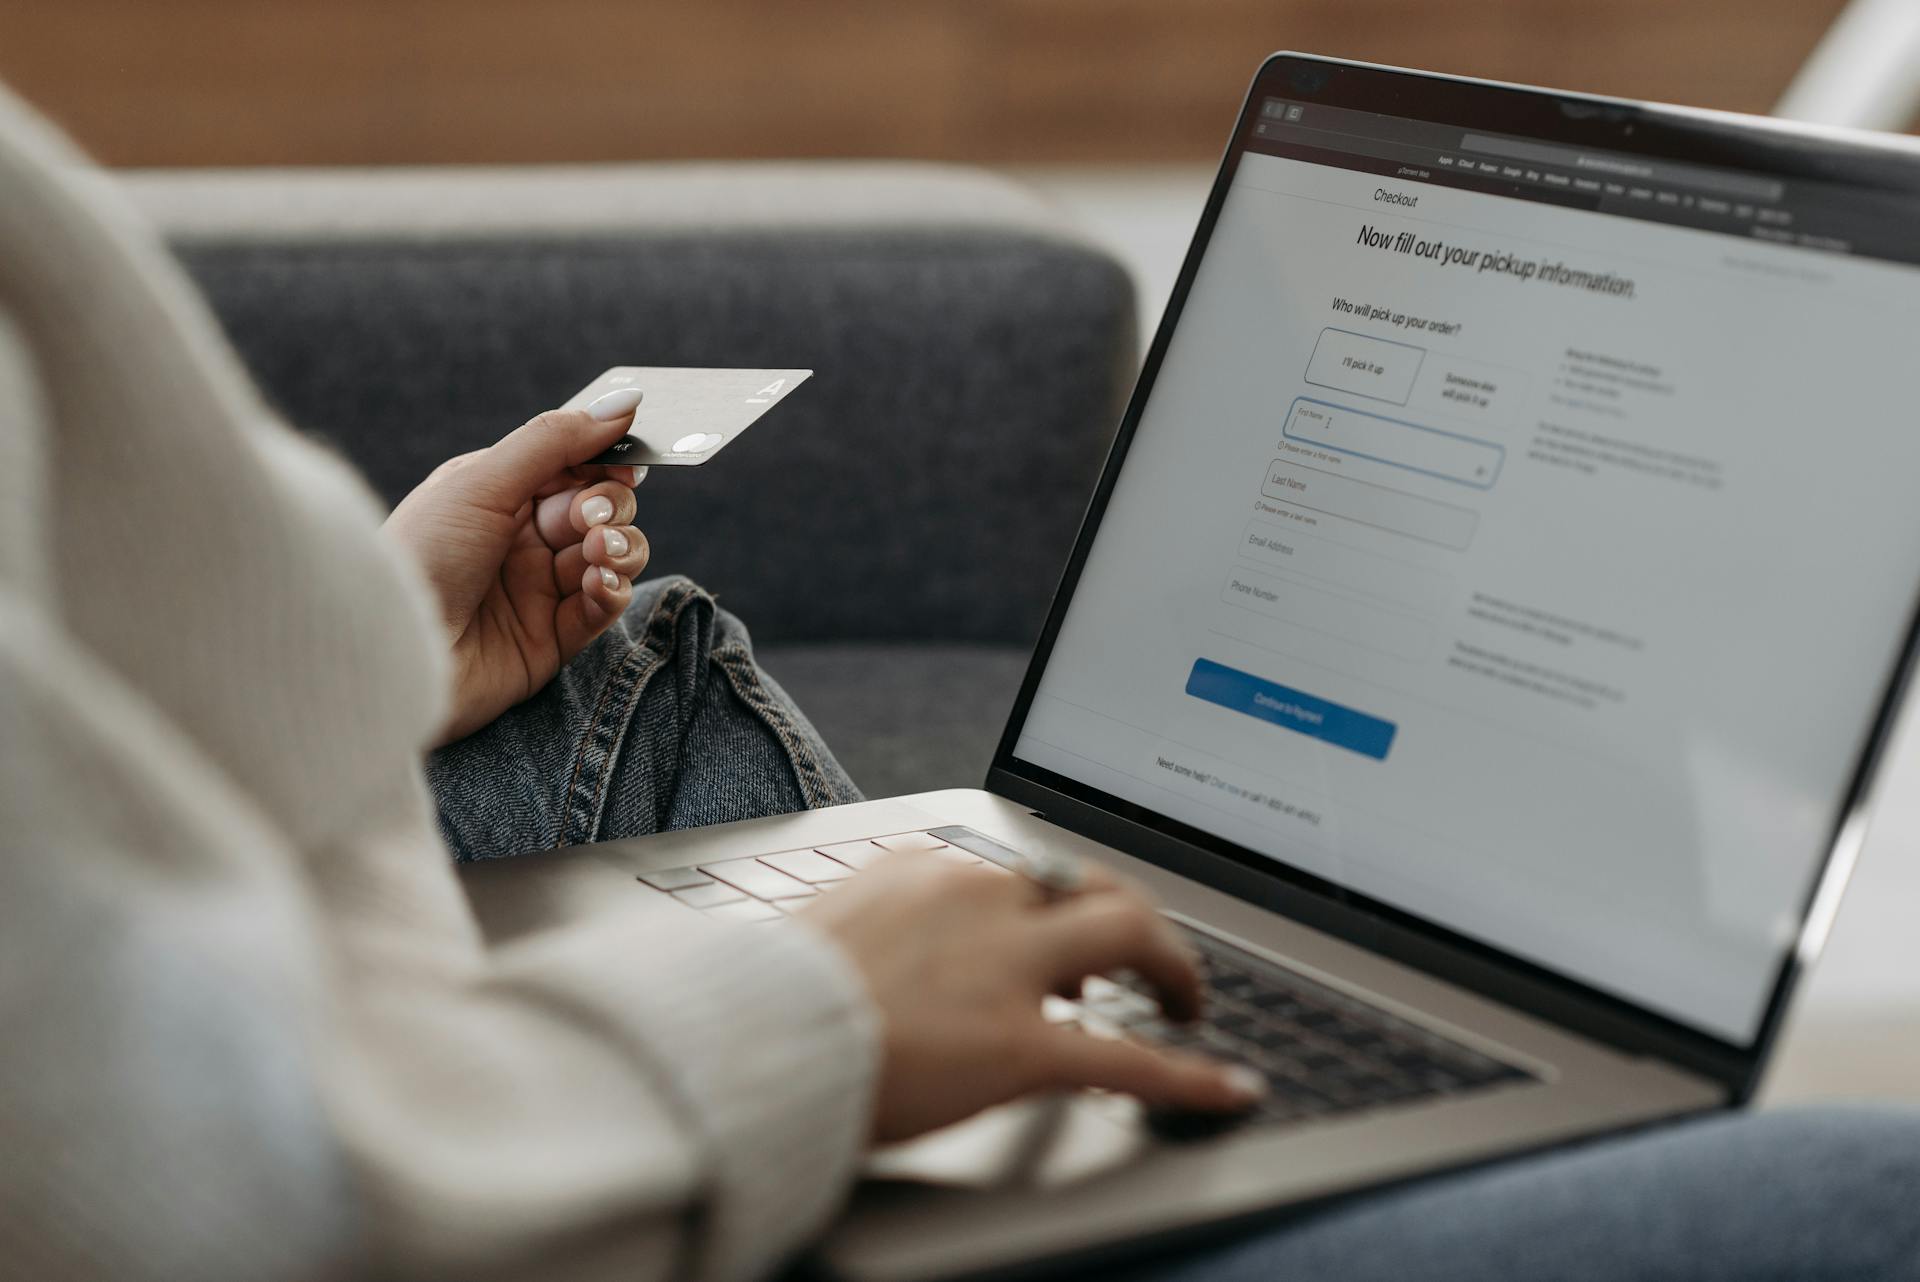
(250, 1029)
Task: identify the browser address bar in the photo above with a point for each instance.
(1625, 166)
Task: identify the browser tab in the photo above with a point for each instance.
(1608, 182)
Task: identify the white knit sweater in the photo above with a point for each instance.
(247, 1027)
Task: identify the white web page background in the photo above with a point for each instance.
(1622, 573)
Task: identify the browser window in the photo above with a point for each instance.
(1532, 565)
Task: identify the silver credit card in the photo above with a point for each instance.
(686, 416)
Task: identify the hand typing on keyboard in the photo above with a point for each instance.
(958, 961)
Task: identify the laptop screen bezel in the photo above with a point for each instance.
(1781, 151)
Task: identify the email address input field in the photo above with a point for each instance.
(1426, 450)
(1417, 591)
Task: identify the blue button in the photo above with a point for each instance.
(1298, 711)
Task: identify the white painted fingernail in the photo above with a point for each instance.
(1244, 1082)
(597, 510)
(639, 475)
(615, 404)
(609, 579)
(616, 543)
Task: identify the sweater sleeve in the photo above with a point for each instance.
(160, 1112)
(649, 1095)
(758, 1041)
(229, 1058)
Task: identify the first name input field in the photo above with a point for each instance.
(1426, 450)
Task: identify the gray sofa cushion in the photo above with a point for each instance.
(904, 718)
(926, 484)
(513, 202)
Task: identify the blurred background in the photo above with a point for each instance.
(999, 82)
(1117, 108)
(1114, 109)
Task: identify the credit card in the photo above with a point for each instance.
(686, 415)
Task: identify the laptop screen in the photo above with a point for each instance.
(1518, 534)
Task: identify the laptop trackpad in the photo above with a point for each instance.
(1039, 1143)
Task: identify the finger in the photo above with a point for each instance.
(553, 518)
(608, 503)
(590, 611)
(570, 569)
(512, 470)
(1091, 879)
(620, 548)
(1159, 1079)
(564, 483)
(1096, 934)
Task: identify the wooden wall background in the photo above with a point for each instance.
(168, 82)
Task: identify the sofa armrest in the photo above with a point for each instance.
(970, 350)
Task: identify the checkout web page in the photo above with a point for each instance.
(1530, 569)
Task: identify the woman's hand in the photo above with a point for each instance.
(957, 959)
(531, 552)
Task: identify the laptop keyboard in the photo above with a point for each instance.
(1323, 1053)
(765, 888)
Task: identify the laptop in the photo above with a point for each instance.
(1481, 640)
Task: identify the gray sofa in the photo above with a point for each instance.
(892, 535)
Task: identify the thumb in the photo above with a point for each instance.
(510, 473)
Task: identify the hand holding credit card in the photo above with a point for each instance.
(687, 415)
